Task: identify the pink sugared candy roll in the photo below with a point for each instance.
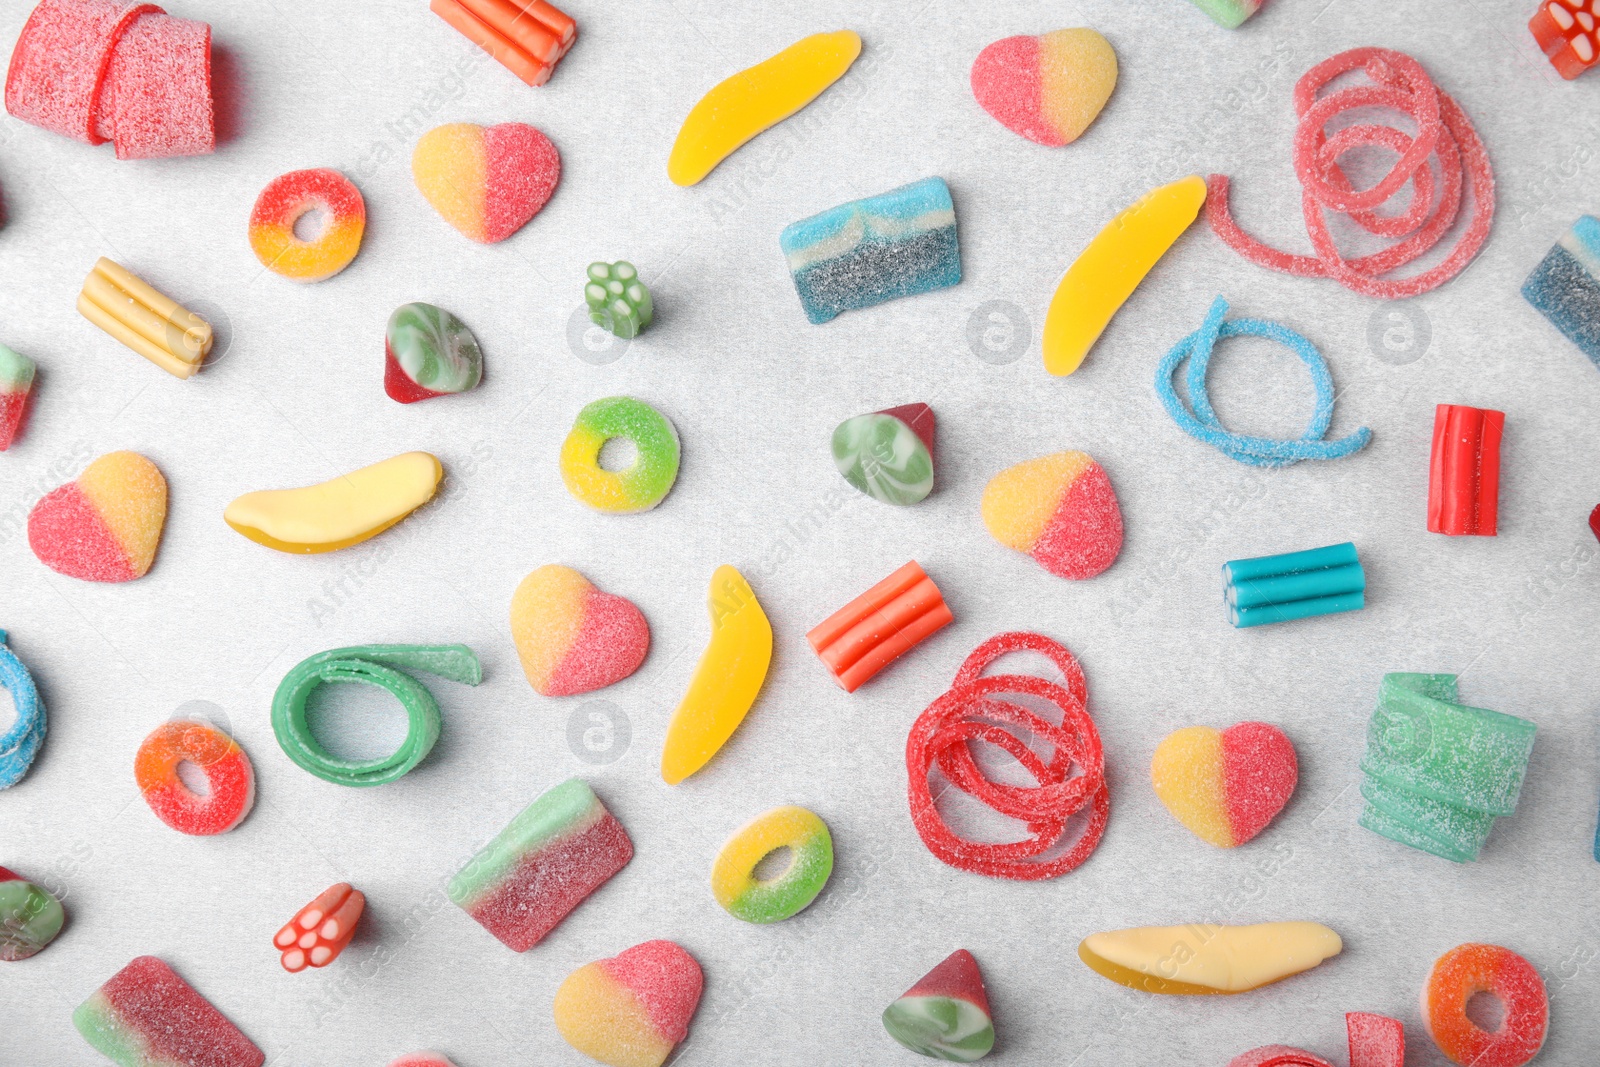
(146, 1016)
(1225, 785)
(1060, 509)
(571, 637)
(16, 388)
(1467, 970)
(561, 848)
(1375, 1040)
(229, 775)
(105, 526)
(281, 204)
(630, 1010)
(320, 930)
(423, 1059)
(486, 181)
(1278, 1056)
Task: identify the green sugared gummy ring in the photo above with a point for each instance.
(639, 487)
(733, 880)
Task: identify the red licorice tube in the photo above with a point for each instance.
(879, 626)
(1464, 475)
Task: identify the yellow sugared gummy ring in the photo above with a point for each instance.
(733, 880)
(638, 487)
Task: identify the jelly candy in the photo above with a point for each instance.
(340, 512)
(898, 243)
(888, 454)
(428, 352)
(571, 637)
(1060, 509)
(725, 682)
(1464, 472)
(971, 710)
(1443, 132)
(108, 70)
(638, 487)
(146, 1016)
(1375, 1040)
(1438, 773)
(1229, 13)
(230, 779)
(320, 930)
(769, 900)
(1470, 969)
(30, 917)
(489, 181)
(1048, 88)
(281, 204)
(1278, 1056)
(630, 1010)
(743, 105)
(373, 665)
(1565, 286)
(527, 37)
(1199, 420)
(1225, 785)
(105, 526)
(946, 1014)
(880, 626)
(20, 744)
(423, 1059)
(1202, 958)
(16, 388)
(560, 849)
(1294, 585)
(1568, 32)
(617, 299)
(145, 320)
(1106, 273)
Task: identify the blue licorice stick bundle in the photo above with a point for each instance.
(1294, 585)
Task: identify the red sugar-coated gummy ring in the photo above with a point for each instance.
(227, 769)
(1469, 969)
(1444, 134)
(969, 711)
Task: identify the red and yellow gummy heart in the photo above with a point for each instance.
(105, 526)
(1225, 785)
(486, 181)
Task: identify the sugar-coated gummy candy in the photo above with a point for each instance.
(859, 254)
(105, 526)
(341, 511)
(1048, 88)
(1470, 969)
(1565, 286)
(888, 454)
(1464, 470)
(630, 1010)
(1229, 13)
(880, 626)
(1294, 585)
(972, 709)
(773, 899)
(617, 299)
(1202, 959)
(1278, 1056)
(527, 37)
(757, 98)
(546, 862)
(1375, 1040)
(320, 930)
(290, 196)
(571, 637)
(16, 389)
(141, 317)
(642, 484)
(423, 1059)
(1225, 785)
(726, 681)
(60, 61)
(428, 352)
(20, 744)
(486, 181)
(1568, 32)
(1106, 273)
(1437, 161)
(147, 1016)
(230, 778)
(30, 917)
(946, 1014)
(1060, 509)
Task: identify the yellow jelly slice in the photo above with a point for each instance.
(725, 684)
(340, 512)
(1200, 959)
(1111, 268)
(754, 99)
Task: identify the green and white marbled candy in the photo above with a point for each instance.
(30, 917)
(882, 456)
(434, 348)
(946, 1028)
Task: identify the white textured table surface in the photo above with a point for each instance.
(293, 396)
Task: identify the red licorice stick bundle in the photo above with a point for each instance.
(879, 626)
(1464, 474)
(973, 710)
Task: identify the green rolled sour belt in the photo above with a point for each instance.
(369, 665)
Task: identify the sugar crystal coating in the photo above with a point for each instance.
(281, 204)
(489, 181)
(733, 880)
(147, 1016)
(1048, 88)
(630, 1010)
(571, 637)
(105, 526)
(1225, 785)
(638, 487)
(230, 778)
(1474, 968)
(1565, 286)
(16, 390)
(1060, 509)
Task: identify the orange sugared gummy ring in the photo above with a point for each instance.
(280, 205)
(1469, 969)
(220, 759)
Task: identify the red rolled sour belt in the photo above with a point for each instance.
(973, 711)
(107, 70)
(1464, 471)
(879, 626)
(1444, 149)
